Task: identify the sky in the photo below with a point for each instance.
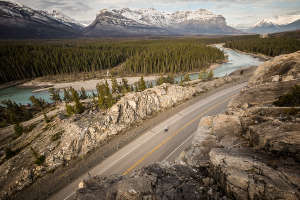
(238, 13)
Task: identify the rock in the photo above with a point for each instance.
(245, 175)
(276, 78)
(252, 152)
(155, 181)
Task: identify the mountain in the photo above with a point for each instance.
(127, 22)
(19, 21)
(277, 24)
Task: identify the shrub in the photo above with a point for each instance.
(18, 128)
(57, 136)
(39, 159)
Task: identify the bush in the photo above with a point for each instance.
(18, 128)
(70, 110)
(56, 136)
(39, 159)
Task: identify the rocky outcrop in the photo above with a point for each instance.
(68, 138)
(157, 181)
(251, 152)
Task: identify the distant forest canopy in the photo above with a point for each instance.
(273, 45)
(30, 59)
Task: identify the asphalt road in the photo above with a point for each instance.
(157, 145)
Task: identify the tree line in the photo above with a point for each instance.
(22, 59)
(272, 46)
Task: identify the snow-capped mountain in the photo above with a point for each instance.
(276, 24)
(63, 18)
(151, 21)
(19, 21)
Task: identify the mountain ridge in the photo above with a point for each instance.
(151, 21)
(20, 21)
(277, 24)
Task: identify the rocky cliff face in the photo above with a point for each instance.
(66, 139)
(251, 152)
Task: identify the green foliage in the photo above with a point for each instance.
(291, 99)
(125, 87)
(186, 78)
(69, 109)
(169, 79)
(21, 59)
(39, 159)
(210, 75)
(14, 113)
(57, 136)
(142, 84)
(105, 97)
(37, 103)
(173, 56)
(78, 108)
(272, 46)
(67, 96)
(114, 86)
(19, 129)
(54, 94)
(83, 94)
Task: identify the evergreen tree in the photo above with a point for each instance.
(186, 78)
(83, 94)
(67, 96)
(141, 84)
(210, 75)
(125, 86)
(78, 108)
(54, 94)
(18, 129)
(114, 86)
(69, 109)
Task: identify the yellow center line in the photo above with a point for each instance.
(173, 135)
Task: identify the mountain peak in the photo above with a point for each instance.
(278, 20)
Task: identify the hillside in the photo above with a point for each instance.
(251, 152)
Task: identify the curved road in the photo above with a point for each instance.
(157, 145)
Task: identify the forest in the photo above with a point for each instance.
(274, 45)
(30, 59)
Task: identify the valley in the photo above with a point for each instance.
(139, 100)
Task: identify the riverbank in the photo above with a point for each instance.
(11, 84)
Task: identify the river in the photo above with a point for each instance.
(236, 61)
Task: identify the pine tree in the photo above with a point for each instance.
(54, 95)
(125, 86)
(114, 86)
(69, 109)
(67, 96)
(18, 129)
(83, 94)
(142, 84)
(78, 108)
(186, 78)
(210, 75)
